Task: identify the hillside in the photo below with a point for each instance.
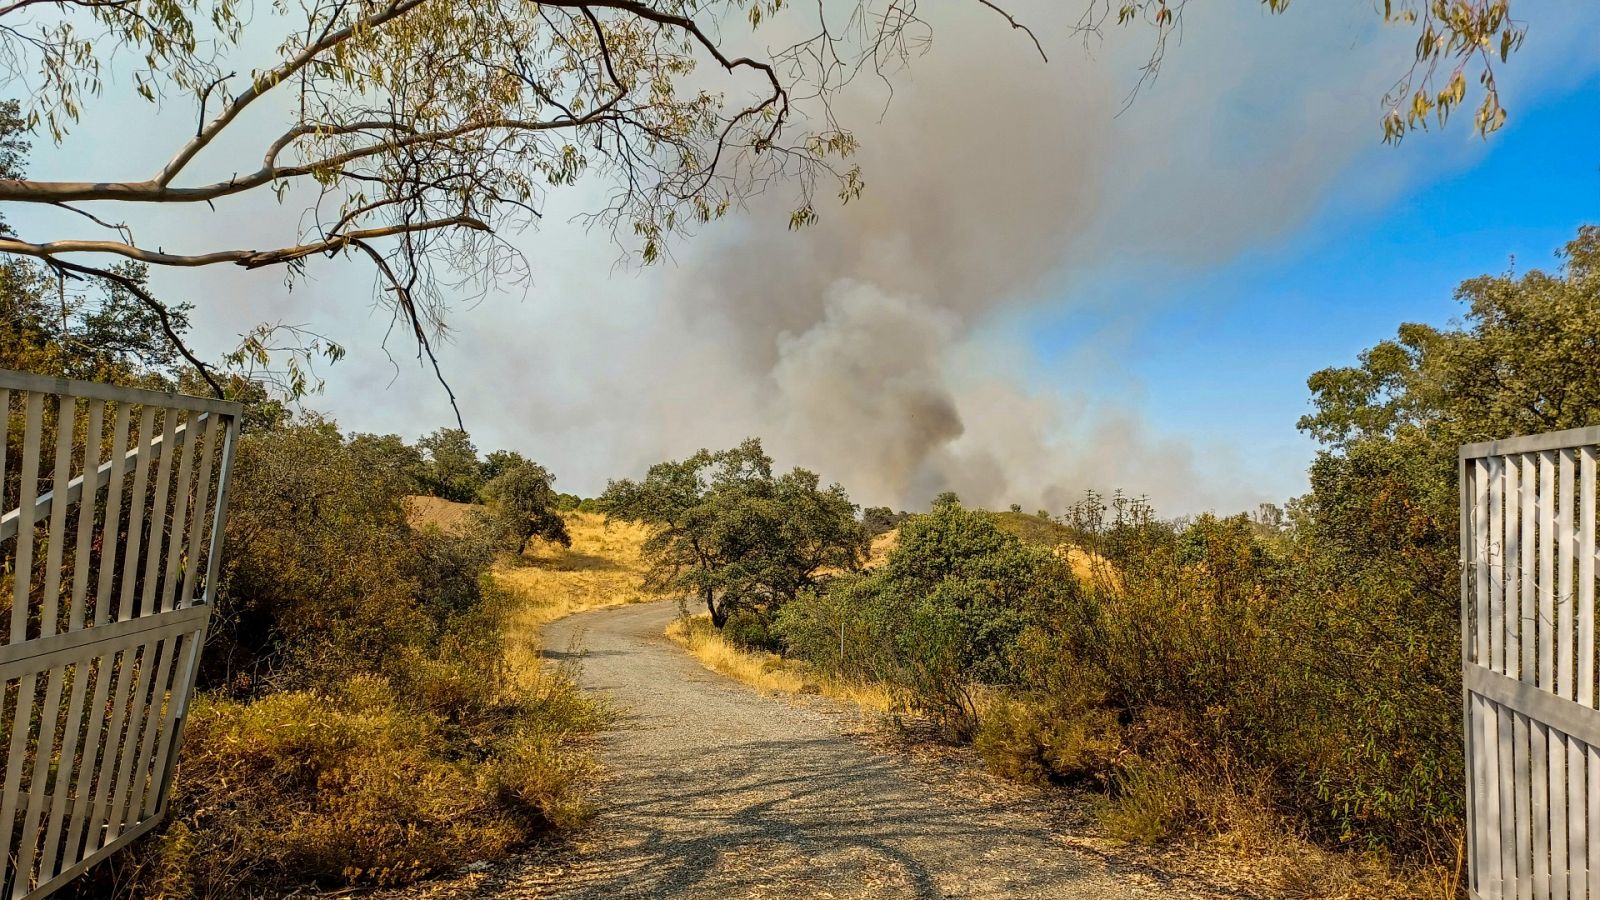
(1032, 529)
(603, 567)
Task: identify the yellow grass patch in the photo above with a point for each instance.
(603, 567)
(1087, 565)
(882, 546)
(768, 672)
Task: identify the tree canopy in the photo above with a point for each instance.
(729, 532)
(522, 495)
(423, 131)
(1382, 512)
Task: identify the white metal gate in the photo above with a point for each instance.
(109, 549)
(1528, 535)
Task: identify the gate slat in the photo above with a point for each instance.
(1494, 564)
(1577, 825)
(5, 427)
(1529, 565)
(1511, 568)
(1566, 547)
(1547, 572)
(1539, 785)
(1585, 551)
(158, 513)
(93, 434)
(1593, 851)
(1589, 484)
(22, 714)
(49, 618)
(1521, 810)
(1494, 875)
(1505, 762)
(141, 478)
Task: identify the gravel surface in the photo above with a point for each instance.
(717, 792)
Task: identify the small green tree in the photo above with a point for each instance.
(730, 533)
(453, 472)
(499, 462)
(389, 456)
(522, 497)
(879, 519)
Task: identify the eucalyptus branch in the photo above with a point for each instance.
(249, 259)
(163, 315)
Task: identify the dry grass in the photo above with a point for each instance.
(448, 516)
(768, 672)
(603, 567)
(1227, 831)
(882, 546)
(1087, 565)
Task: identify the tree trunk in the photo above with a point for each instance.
(719, 614)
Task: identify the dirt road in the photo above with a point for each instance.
(718, 792)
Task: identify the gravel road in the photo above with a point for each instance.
(717, 792)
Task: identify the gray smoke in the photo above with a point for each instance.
(860, 346)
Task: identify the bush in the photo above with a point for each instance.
(356, 788)
(942, 617)
(1047, 742)
(751, 629)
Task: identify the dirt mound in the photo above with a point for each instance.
(448, 516)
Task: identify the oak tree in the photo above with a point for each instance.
(728, 532)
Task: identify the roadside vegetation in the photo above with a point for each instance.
(1285, 679)
(367, 715)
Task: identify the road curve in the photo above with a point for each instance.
(717, 792)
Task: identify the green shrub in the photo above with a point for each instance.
(1045, 742)
(751, 629)
(941, 618)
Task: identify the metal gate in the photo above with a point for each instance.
(1528, 534)
(109, 549)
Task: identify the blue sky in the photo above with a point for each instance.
(1229, 348)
